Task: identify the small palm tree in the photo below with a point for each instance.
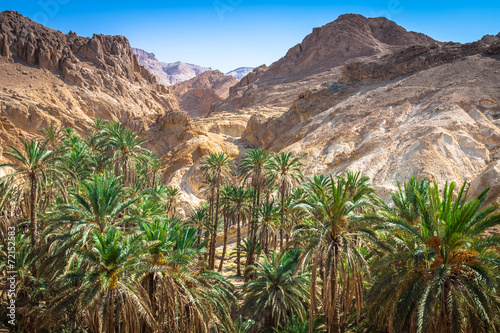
(108, 290)
(33, 170)
(275, 294)
(441, 274)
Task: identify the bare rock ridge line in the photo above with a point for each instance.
(168, 73)
(316, 58)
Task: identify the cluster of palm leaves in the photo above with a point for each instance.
(99, 247)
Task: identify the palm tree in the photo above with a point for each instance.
(108, 290)
(101, 205)
(238, 207)
(268, 218)
(172, 195)
(441, 274)
(254, 168)
(332, 238)
(53, 135)
(198, 219)
(216, 166)
(33, 170)
(183, 300)
(127, 151)
(275, 294)
(286, 172)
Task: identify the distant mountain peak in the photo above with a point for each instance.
(240, 72)
(168, 73)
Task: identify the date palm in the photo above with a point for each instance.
(217, 166)
(127, 151)
(332, 238)
(238, 207)
(286, 172)
(100, 205)
(441, 275)
(107, 289)
(33, 170)
(254, 169)
(275, 294)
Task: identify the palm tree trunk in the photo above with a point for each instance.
(214, 232)
(250, 258)
(226, 225)
(33, 217)
(238, 242)
(282, 225)
(334, 325)
(313, 295)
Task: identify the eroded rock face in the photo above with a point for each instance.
(396, 119)
(318, 59)
(50, 77)
(197, 95)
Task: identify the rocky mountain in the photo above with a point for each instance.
(387, 102)
(240, 72)
(357, 94)
(47, 77)
(168, 73)
(318, 59)
(196, 95)
(432, 111)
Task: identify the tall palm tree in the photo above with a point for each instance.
(254, 168)
(276, 294)
(332, 236)
(441, 274)
(286, 172)
(33, 169)
(127, 151)
(238, 207)
(216, 166)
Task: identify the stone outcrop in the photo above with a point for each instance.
(196, 95)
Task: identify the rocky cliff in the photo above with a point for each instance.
(196, 95)
(168, 73)
(50, 77)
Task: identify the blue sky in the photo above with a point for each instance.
(226, 34)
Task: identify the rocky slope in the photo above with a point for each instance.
(240, 72)
(430, 111)
(318, 59)
(196, 95)
(168, 73)
(50, 77)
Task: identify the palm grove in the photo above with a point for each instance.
(99, 247)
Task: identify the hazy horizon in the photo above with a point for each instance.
(228, 34)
